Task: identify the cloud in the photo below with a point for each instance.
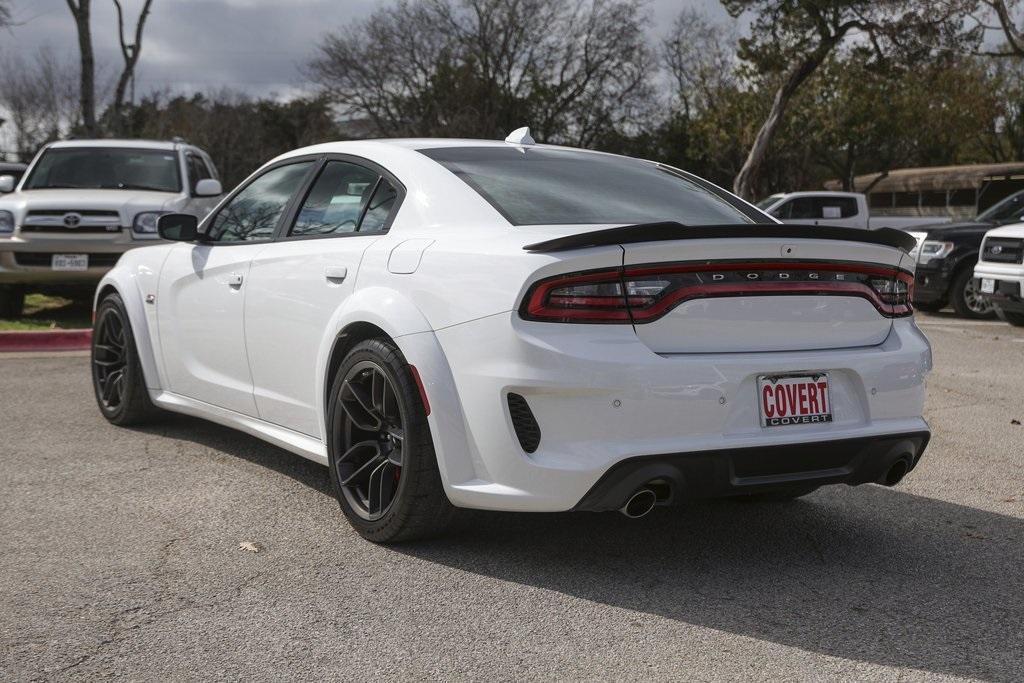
(257, 46)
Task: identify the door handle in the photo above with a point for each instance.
(335, 274)
(235, 280)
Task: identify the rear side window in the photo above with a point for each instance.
(336, 201)
(379, 208)
(536, 186)
(817, 208)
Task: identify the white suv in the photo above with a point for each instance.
(82, 203)
(1000, 272)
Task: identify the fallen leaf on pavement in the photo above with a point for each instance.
(1015, 422)
(249, 546)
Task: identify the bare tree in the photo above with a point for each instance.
(700, 59)
(81, 11)
(39, 97)
(130, 53)
(571, 69)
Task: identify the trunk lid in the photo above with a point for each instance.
(757, 288)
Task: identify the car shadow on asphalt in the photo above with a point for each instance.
(240, 445)
(867, 574)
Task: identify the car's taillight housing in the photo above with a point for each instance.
(643, 293)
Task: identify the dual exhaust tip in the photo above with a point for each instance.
(644, 499)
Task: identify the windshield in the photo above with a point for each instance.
(1010, 209)
(106, 168)
(539, 186)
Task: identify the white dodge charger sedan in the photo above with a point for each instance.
(511, 326)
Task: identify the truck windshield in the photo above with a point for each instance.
(106, 168)
(1009, 209)
(544, 186)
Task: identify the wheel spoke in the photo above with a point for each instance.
(358, 405)
(368, 466)
(380, 488)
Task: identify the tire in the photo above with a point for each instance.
(930, 307)
(383, 468)
(781, 495)
(12, 302)
(1015, 319)
(117, 379)
(965, 297)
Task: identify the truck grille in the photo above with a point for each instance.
(45, 258)
(71, 221)
(1003, 250)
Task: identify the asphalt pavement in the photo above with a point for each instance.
(120, 557)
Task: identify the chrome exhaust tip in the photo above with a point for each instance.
(639, 504)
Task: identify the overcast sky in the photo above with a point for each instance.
(251, 45)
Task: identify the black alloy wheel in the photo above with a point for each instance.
(370, 469)
(116, 370)
(379, 448)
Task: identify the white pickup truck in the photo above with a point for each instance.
(845, 209)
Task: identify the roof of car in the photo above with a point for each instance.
(107, 142)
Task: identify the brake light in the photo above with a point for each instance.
(644, 293)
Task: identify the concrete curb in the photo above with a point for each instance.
(46, 340)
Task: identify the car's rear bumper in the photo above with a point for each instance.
(741, 471)
(600, 397)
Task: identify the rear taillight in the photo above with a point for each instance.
(642, 294)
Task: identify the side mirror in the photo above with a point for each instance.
(6, 184)
(208, 187)
(178, 227)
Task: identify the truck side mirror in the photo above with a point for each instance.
(209, 187)
(7, 184)
(178, 227)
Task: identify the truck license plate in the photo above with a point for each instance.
(988, 285)
(69, 262)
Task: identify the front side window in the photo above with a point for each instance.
(336, 201)
(537, 186)
(253, 213)
(1008, 210)
(106, 168)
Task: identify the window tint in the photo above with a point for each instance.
(531, 186)
(381, 203)
(253, 213)
(336, 200)
(197, 170)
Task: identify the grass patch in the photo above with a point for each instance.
(44, 312)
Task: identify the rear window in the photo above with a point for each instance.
(539, 186)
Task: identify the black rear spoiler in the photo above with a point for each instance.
(661, 232)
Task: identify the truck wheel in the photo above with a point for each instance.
(12, 302)
(1015, 319)
(967, 299)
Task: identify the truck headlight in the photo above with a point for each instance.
(932, 249)
(145, 222)
(6, 222)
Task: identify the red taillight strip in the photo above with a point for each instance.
(541, 305)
